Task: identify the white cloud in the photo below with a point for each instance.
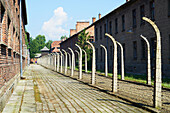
(54, 27)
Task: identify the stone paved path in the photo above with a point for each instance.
(47, 91)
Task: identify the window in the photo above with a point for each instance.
(168, 7)
(3, 50)
(143, 49)
(96, 34)
(142, 14)
(96, 54)
(116, 26)
(169, 47)
(152, 10)
(134, 50)
(104, 29)
(101, 54)
(100, 32)
(9, 52)
(14, 2)
(9, 21)
(134, 18)
(124, 51)
(2, 12)
(91, 40)
(123, 22)
(111, 52)
(14, 54)
(153, 48)
(110, 27)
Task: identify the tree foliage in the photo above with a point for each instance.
(62, 37)
(82, 38)
(37, 44)
(48, 44)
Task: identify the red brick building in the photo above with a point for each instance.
(74, 33)
(10, 43)
(55, 46)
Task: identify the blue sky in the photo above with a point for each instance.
(55, 18)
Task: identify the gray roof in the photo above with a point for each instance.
(44, 49)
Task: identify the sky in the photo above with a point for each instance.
(55, 18)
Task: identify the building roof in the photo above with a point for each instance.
(44, 49)
(37, 55)
(55, 44)
(55, 50)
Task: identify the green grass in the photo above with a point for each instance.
(139, 79)
(132, 77)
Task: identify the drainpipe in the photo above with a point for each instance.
(21, 76)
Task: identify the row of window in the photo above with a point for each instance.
(3, 51)
(134, 20)
(135, 50)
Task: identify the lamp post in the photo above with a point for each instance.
(158, 76)
(114, 81)
(80, 61)
(85, 60)
(93, 63)
(73, 58)
(122, 61)
(106, 68)
(149, 60)
(65, 72)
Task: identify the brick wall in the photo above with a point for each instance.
(9, 41)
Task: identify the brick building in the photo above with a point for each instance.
(125, 24)
(55, 46)
(128, 17)
(10, 45)
(74, 33)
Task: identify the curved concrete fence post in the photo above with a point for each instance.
(93, 63)
(65, 72)
(106, 68)
(114, 84)
(149, 60)
(85, 60)
(122, 61)
(58, 61)
(80, 62)
(55, 61)
(72, 67)
(158, 76)
(61, 64)
(69, 60)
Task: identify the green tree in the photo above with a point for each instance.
(82, 38)
(48, 44)
(62, 37)
(40, 40)
(36, 45)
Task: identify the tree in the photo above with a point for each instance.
(82, 38)
(48, 44)
(40, 40)
(64, 37)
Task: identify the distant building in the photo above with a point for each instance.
(55, 46)
(74, 33)
(44, 51)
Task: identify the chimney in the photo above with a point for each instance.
(99, 15)
(93, 19)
